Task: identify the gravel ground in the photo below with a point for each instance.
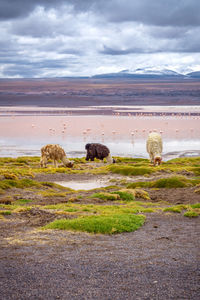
(158, 261)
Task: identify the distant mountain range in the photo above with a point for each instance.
(148, 73)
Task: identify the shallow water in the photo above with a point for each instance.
(125, 135)
(83, 185)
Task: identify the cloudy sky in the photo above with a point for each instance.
(54, 38)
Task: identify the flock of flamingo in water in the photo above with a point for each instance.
(133, 133)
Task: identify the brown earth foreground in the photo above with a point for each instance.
(158, 261)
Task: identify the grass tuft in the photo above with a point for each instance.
(173, 209)
(191, 214)
(129, 170)
(5, 212)
(100, 224)
(106, 196)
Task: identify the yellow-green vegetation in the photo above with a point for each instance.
(108, 224)
(23, 201)
(174, 209)
(5, 212)
(189, 208)
(191, 214)
(129, 170)
(119, 216)
(18, 183)
(105, 196)
(197, 191)
(28, 166)
(137, 193)
(125, 195)
(196, 205)
(130, 207)
(52, 193)
(169, 182)
(10, 176)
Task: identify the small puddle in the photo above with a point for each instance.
(84, 185)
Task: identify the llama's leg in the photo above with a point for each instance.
(151, 158)
(55, 163)
(43, 162)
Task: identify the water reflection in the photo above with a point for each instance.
(125, 136)
(83, 185)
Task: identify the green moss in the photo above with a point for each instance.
(5, 212)
(125, 195)
(191, 214)
(171, 182)
(131, 160)
(100, 224)
(23, 201)
(22, 183)
(195, 161)
(172, 209)
(196, 205)
(129, 170)
(105, 196)
(71, 209)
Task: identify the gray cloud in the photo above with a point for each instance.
(161, 13)
(76, 37)
(10, 9)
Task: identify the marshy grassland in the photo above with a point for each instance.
(135, 191)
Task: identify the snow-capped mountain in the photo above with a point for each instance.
(141, 73)
(194, 74)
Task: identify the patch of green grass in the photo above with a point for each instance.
(105, 196)
(100, 224)
(130, 170)
(20, 183)
(71, 209)
(139, 184)
(135, 161)
(171, 182)
(5, 212)
(176, 208)
(125, 196)
(196, 205)
(191, 214)
(131, 207)
(191, 161)
(23, 201)
(172, 209)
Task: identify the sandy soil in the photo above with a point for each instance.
(158, 261)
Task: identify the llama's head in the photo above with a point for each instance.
(157, 160)
(87, 146)
(69, 164)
